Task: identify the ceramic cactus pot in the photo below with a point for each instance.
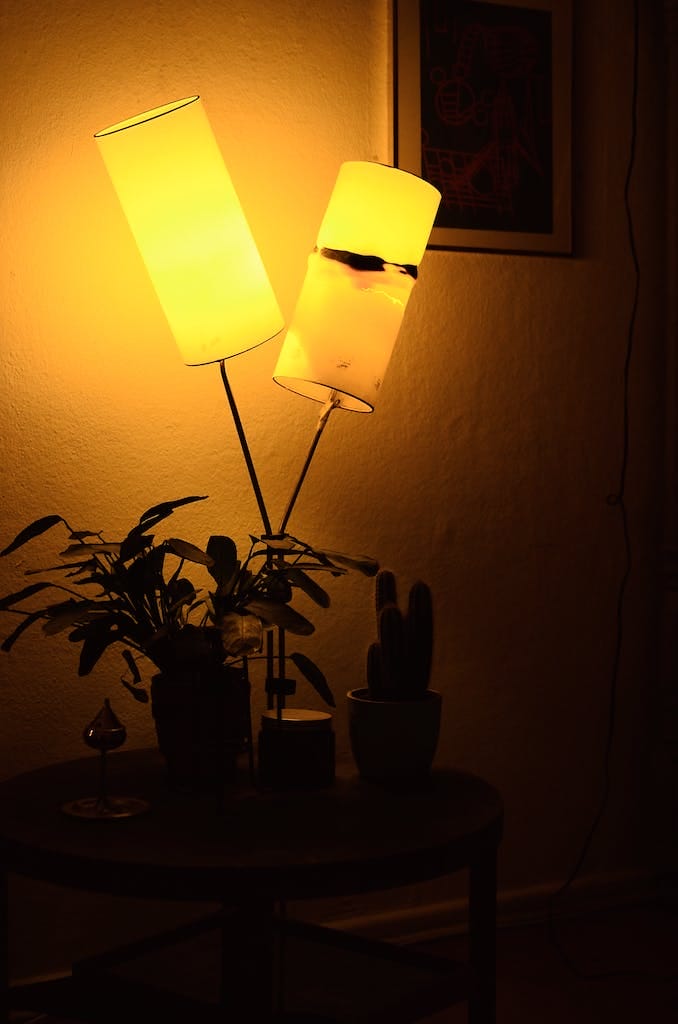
(393, 740)
(394, 722)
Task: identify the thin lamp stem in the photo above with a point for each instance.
(270, 667)
(331, 403)
(280, 696)
(245, 449)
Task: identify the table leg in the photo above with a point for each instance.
(4, 949)
(482, 938)
(247, 958)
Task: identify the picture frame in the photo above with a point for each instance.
(482, 110)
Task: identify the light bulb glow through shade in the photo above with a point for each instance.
(357, 285)
(189, 226)
(377, 210)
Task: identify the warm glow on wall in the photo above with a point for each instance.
(188, 223)
(357, 285)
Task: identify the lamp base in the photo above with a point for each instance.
(96, 808)
(296, 749)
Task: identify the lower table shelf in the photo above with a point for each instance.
(329, 976)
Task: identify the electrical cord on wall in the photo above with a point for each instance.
(616, 500)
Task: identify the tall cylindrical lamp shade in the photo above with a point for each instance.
(190, 228)
(359, 279)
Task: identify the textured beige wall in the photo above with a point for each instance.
(485, 468)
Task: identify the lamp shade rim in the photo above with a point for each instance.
(146, 115)
(232, 355)
(395, 167)
(358, 404)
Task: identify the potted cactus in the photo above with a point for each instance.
(394, 721)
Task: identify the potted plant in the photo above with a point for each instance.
(394, 721)
(136, 593)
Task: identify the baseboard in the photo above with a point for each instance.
(515, 907)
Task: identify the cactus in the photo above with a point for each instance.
(399, 662)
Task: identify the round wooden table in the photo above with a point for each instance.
(252, 849)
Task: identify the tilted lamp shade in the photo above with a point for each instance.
(188, 223)
(359, 279)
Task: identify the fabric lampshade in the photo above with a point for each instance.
(190, 228)
(359, 279)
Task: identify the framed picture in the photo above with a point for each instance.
(482, 110)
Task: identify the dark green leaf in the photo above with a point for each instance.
(243, 580)
(133, 667)
(363, 563)
(142, 575)
(275, 614)
(112, 582)
(95, 577)
(188, 551)
(20, 595)
(132, 546)
(82, 534)
(282, 544)
(140, 529)
(326, 566)
(140, 695)
(309, 586)
(64, 615)
(315, 677)
(198, 602)
(180, 592)
(276, 586)
(9, 641)
(71, 612)
(92, 549)
(34, 530)
(166, 508)
(154, 515)
(118, 622)
(92, 567)
(98, 636)
(80, 566)
(225, 565)
(152, 562)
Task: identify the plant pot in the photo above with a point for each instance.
(393, 739)
(296, 749)
(202, 722)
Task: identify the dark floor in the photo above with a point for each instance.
(618, 966)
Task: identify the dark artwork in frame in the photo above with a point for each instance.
(482, 111)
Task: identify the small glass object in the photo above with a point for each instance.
(105, 732)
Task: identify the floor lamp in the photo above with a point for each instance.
(184, 213)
